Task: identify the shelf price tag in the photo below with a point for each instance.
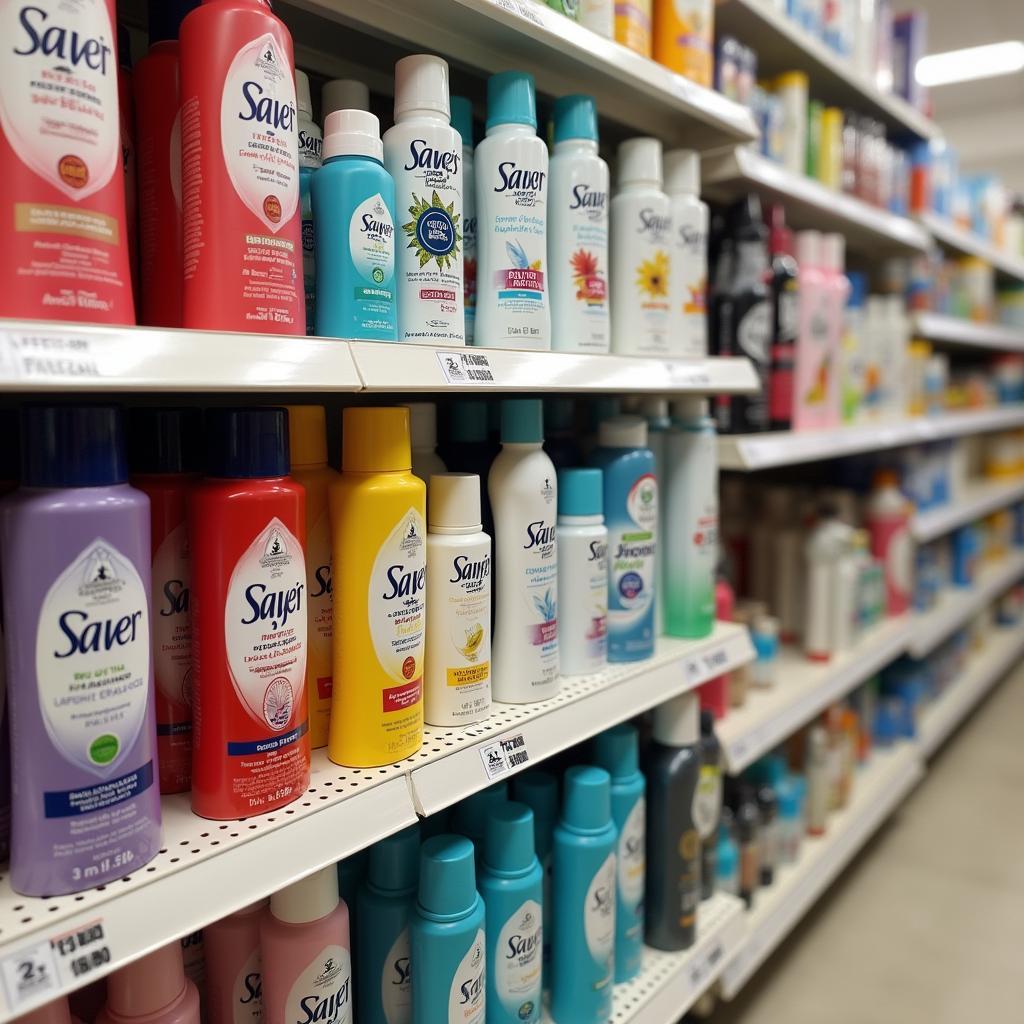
(687, 375)
(42, 356)
(519, 7)
(504, 755)
(465, 367)
(702, 971)
(707, 664)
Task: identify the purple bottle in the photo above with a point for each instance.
(76, 585)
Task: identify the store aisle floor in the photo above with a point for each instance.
(927, 926)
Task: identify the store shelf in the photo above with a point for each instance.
(880, 787)
(809, 204)
(786, 448)
(978, 500)
(803, 689)
(963, 243)
(527, 35)
(955, 330)
(957, 606)
(1002, 650)
(782, 45)
(585, 706)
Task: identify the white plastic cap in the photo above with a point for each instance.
(639, 162)
(622, 432)
(833, 251)
(689, 407)
(654, 408)
(677, 721)
(421, 86)
(343, 94)
(309, 899)
(454, 502)
(352, 133)
(682, 172)
(808, 248)
(302, 98)
(423, 424)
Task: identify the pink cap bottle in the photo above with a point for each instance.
(307, 961)
(234, 984)
(153, 990)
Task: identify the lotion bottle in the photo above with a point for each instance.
(153, 989)
(689, 280)
(234, 980)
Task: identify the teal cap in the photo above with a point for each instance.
(615, 750)
(539, 791)
(728, 855)
(462, 119)
(511, 99)
(471, 812)
(522, 421)
(580, 492)
(468, 422)
(575, 117)
(559, 414)
(394, 861)
(509, 843)
(447, 877)
(587, 806)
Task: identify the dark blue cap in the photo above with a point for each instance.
(165, 440)
(165, 18)
(247, 444)
(72, 446)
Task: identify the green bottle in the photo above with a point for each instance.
(567, 7)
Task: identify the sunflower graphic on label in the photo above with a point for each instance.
(434, 231)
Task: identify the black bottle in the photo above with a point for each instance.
(748, 835)
(785, 321)
(707, 808)
(768, 806)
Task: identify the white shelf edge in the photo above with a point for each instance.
(952, 237)
(979, 500)
(955, 330)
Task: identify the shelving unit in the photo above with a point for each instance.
(953, 330)
(977, 501)
(963, 243)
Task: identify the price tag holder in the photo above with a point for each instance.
(687, 375)
(41, 356)
(702, 971)
(504, 755)
(527, 12)
(706, 665)
(466, 366)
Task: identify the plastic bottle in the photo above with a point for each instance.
(673, 767)
(153, 990)
(446, 935)
(598, 16)
(631, 513)
(853, 376)
(66, 243)
(578, 231)
(641, 229)
(511, 886)
(457, 682)
(707, 803)
(837, 291)
(164, 461)
(234, 979)
(523, 492)
(354, 214)
(816, 364)
(307, 953)
(659, 425)
(583, 883)
(56, 1011)
(76, 569)
(888, 522)
(379, 535)
(129, 163)
(684, 38)
(511, 171)
(423, 154)
(817, 781)
(386, 899)
(311, 144)
(633, 26)
(243, 235)
(538, 789)
(423, 440)
(748, 832)
(462, 122)
(690, 536)
(343, 94)
(727, 857)
(616, 751)
(307, 438)
(785, 289)
(827, 545)
(895, 354)
(689, 278)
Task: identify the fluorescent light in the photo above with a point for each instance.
(973, 62)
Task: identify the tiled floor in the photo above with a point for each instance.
(927, 925)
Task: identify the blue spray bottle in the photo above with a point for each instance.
(615, 750)
(385, 900)
(511, 885)
(539, 791)
(583, 919)
(446, 936)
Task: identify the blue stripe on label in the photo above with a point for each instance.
(72, 802)
(268, 745)
(173, 729)
(520, 293)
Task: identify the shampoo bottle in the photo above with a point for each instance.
(234, 980)
(311, 144)
(511, 170)
(423, 439)
(446, 936)
(616, 750)
(539, 791)
(153, 990)
(462, 122)
(578, 231)
(888, 522)
(687, 289)
(307, 959)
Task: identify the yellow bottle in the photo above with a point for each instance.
(684, 38)
(307, 431)
(379, 537)
(633, 25)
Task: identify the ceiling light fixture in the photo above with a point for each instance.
(971, 63)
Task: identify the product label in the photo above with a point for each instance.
(632, 542)
(651, 276)
(247, 992)
(172, 625)
(92, 673)
(371, 243)
(597, 601)
(815, 383)
(690, 270)
(632, 864)
(599, 918)
(322, 993)
(539, 568)
(587, 225)
(466, 998)
(321, 616)
(311, 147)
(519, 951)
(504, 756)
(468, 613)
(469, 243)
(396, 982)
(707, 799)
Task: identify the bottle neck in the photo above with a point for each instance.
(580, 520)
(455, 531)
(512, 129)
(583, 147)
(427, 117)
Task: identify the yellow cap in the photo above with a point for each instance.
(307, 435)
(791, 79)
(920, 349)
(831, 117)
(375, 440)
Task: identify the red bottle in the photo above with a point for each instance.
(163, 460)
(63, 245)
(714, 694)
(247, 523)
(240, 171)
(126, 121)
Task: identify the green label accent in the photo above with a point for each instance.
(104, 748)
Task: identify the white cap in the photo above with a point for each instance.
(309, 899)
(453, 502)
(343, 94)
(423, 424)
(677, 721)
(421, 86)
(808, 248)
(639, 162)
(689, 407)
(682, 172)
(654, 408)
(833, 251)
(352, 133)
(622, 432)
(302, 98)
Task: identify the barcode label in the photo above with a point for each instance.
(504, 755)
(465, 367)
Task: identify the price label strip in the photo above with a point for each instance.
(708, 664)
(687, 375)
(465, 367)
(504, 755)
(58, 357)
(702, 971)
